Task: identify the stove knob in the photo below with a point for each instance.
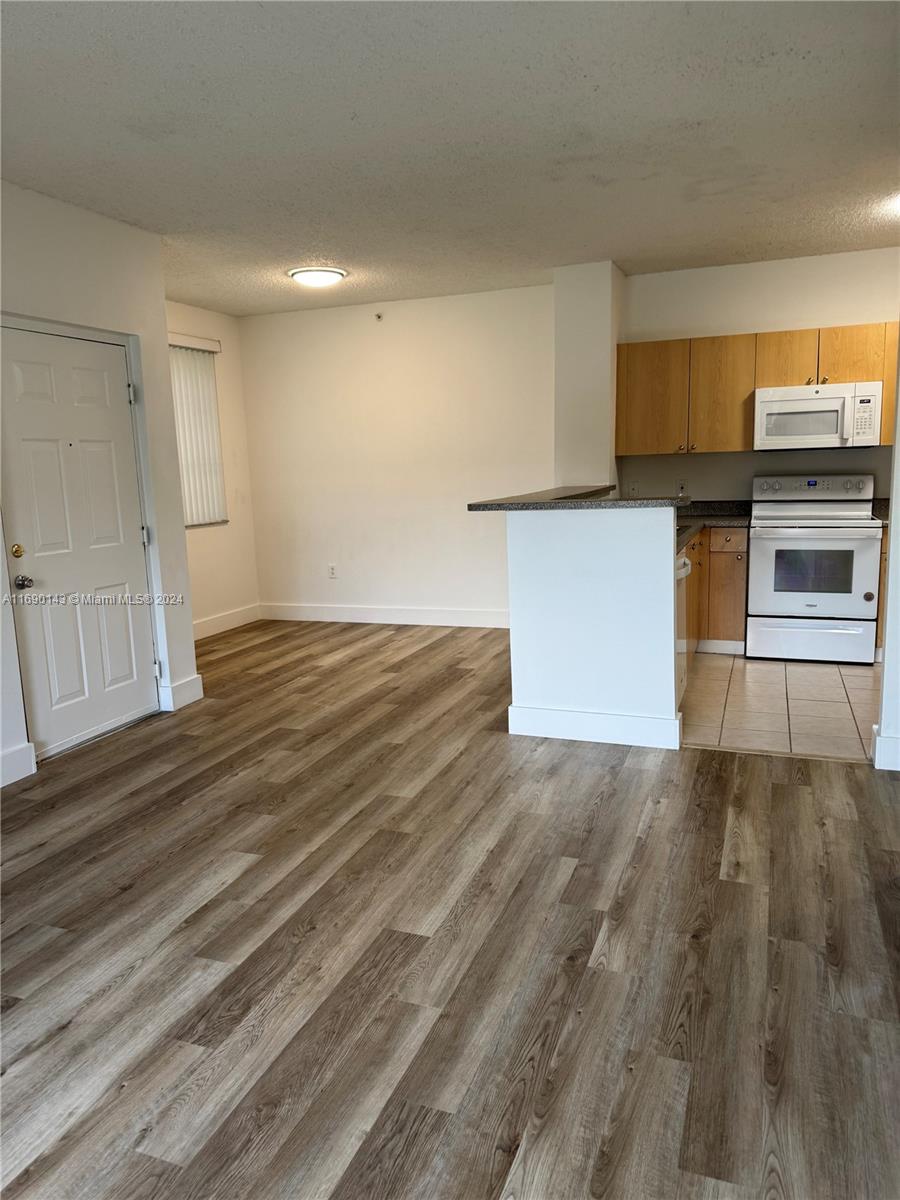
(848, 484)
(860, 485)
(776, 486)
(765, 485)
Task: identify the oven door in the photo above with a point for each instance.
(798, 423)
(814, 572)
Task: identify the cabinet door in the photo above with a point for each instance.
(654, 417)
(788, 358)
(722, 374)
(698, 589)
(851, 353)
(882, 594)
(621, 396)
(727, 596)
(889, 384)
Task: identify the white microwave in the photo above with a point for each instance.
(817, 417)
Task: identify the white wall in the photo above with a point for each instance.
(368, 438)
(222, 558)
(789, 293)
(64, 264)
(586, 302)
(794, 293)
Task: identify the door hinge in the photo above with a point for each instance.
(157, 669)
(132, 394)
(145, 535)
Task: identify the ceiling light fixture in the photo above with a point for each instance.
(891, 206)
(317, 276)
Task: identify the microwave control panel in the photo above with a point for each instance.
(864, 420)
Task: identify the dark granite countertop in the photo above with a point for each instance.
(575, 497)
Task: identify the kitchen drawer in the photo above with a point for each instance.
(728, 539)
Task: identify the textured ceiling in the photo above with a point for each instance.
(432, 148)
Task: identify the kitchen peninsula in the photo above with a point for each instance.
(592, 615)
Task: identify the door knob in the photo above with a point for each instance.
(23, 581)
(16, 550)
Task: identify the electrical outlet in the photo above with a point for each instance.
(634, 488)
(682, 487)
(332, 571)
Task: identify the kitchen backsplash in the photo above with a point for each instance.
(730, 476)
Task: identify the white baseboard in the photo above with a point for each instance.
(480, 618)
(173, 696)
(886, 756)
(17, 762)
(619, 728)
(207, 626)
(714, 646)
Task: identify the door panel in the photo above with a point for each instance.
(654, 417)
(851, 353)
(116, 636)
(722, 374)
(49, 526)
(788, 358)
(98, 470)
(64, 652)
(71, 498)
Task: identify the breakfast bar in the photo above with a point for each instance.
(592, 615)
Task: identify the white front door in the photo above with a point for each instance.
(71, 502)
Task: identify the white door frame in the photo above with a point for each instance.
(132, 346)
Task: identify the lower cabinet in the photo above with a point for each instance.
(882, 591)
(727, 596)
(717, 586)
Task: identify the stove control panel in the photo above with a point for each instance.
(814, 487)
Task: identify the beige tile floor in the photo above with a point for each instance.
(817, 710)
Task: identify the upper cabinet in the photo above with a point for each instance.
(696, 395)
(721, 399)
(652, 411)
(787, 359)
(889, 383)
(851, 353)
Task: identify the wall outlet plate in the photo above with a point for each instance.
(682, 487)
(634, 488)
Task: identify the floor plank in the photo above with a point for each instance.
(331, 933)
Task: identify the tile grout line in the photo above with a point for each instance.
(854, 716)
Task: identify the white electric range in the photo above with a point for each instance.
(815, 556)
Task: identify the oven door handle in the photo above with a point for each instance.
(814, 534)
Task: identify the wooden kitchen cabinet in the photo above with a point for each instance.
(727, 594)
(851, 353)
(697, 550)
(882, 592)
(789, 358)
(652, 406)
(889, 383)
(723, 370)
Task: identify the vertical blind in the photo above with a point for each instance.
(199, 444)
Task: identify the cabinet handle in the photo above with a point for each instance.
(810, 380)
(727, 537)
(681, 448)
(693, 445)
(739, 557)
(824, 379)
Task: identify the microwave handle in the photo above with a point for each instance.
(847, 432)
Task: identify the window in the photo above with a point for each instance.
(199, 444)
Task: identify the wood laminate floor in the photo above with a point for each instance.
(332, 934)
